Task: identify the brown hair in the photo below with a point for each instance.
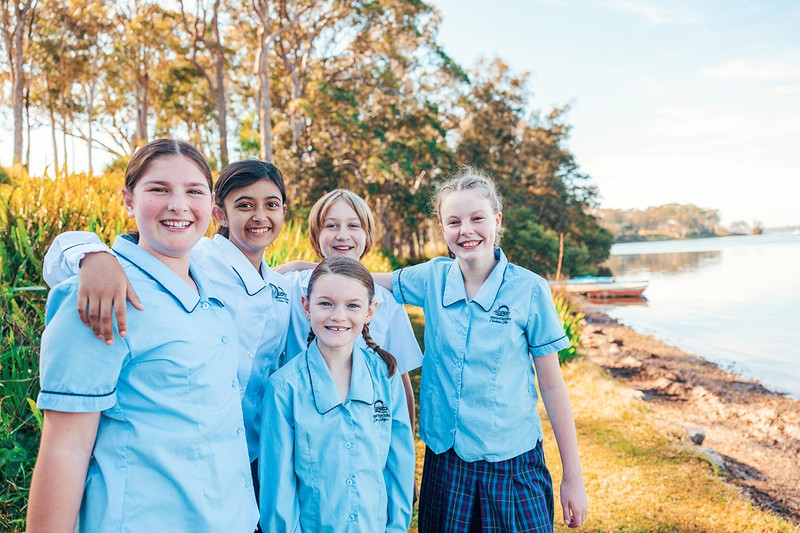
(469, 178)
(320, 210)
(350, 268)
(144, 156)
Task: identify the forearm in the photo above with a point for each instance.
(559, 411)
(383, 279)
(409, 390)
(60, 473)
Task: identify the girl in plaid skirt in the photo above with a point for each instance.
(486, 321)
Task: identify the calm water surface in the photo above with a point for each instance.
(732, 300)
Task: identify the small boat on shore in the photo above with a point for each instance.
(601, 287)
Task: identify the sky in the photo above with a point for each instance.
(687, 101)
(680, 101)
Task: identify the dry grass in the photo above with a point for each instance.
(638, 479)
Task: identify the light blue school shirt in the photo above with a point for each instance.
(333, 466)
(478, 392)
(258, 302)
(170, 453)
(390, 327)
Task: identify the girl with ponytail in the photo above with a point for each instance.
(336, 445)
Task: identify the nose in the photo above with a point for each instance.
(338, 313)
(259, 215)
(178, 202)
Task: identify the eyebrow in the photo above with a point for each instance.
(246, 197)
(168, 182)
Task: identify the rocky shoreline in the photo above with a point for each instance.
(750, 433)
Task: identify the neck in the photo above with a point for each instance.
(476, 272)
(178, 264)
(340, 364)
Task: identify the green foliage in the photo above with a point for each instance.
(670, 221)
(573, 320)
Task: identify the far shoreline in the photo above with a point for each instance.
(750, 432)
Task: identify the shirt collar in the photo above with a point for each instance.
(326, 397)
(454, 290)
(161, 273)
(252, 280)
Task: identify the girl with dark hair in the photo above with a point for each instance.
(336, 447)
(146, 434)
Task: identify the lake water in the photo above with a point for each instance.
(731, 300)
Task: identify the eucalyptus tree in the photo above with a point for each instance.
(15, 18)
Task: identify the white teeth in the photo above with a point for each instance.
(469, 244)
(177, 223)
(259, 231)
(333, 328)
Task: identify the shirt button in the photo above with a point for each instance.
(224, 339)
(234, 384)
(250, 355)
(463, 331)
(205, 305)
(348, 445)
(349, 482)
(352, 517)
(240, 432)
(247, 483)
(458, 364)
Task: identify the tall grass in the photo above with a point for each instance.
(32, 212)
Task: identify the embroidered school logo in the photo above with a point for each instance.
(279, 294)
(501, 315)
(381, 412)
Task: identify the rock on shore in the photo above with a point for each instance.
(749, 432)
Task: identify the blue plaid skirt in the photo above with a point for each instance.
(457, 496)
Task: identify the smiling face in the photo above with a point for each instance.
(254, 217)
(342, 232)
(470, 225)
(338, 307)
(171, 203)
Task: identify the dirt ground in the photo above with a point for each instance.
(752, 434)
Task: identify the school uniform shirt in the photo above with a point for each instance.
(390, 326)
(258, 302)
(170, 453)
(333, 466)
(259, 305)
(478, 392)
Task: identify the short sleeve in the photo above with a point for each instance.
(544, 330)
(78, 372)
(400, 339)
(409, 284)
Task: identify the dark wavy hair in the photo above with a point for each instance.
(242, 174)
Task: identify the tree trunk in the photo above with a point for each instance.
(54, 139)
(14, 30)
(264, 82)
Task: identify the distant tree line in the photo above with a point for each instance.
(670, 221)
(338, 94)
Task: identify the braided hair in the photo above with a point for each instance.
(350, 268)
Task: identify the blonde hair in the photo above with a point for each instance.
(320, 210)
(469, 178)
(350, 268)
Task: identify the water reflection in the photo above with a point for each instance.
(666, 263)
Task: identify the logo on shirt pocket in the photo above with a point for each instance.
(381, 412)
(501, 315)
(279, 294)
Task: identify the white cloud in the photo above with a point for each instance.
(652, 12)
(741, 69)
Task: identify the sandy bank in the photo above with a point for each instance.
(752, 433)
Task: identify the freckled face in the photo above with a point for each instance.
(254, 217)
(339, 307)
(469, 224)
(171, 204)
(342, 232)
